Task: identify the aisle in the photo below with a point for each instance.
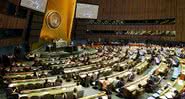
(90, 91)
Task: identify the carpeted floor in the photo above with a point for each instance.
(91, 91)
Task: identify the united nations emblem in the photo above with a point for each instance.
(53, 19)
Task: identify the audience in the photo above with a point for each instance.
(107, 53)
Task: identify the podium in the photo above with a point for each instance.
(70, 48)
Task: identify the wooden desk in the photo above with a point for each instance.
(32, 81)
(182, 75)
(23, 74)
(53, 91)
(83, 74)
(178, 85)
(18, 68)
(141, 67)
(93, 56)
(95, 60)
(19, 73)
(133, 87)
(115, 59)
(95, 96)
(148, 57)
(136, 82)
(17, 76)
(77, 69)
(119, 74)
(130, 87)
(50, 88)
(182, 61)
(163, 67)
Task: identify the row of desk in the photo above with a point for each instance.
(88, 69)
(163, 68)
(23, 74)
(177, 85)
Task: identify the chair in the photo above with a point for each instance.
(28, 77)
(69, 95)
(48, 85)
(24, 97)
(57, 84)
(47, 96)
(20, 78)
(30, 86)
(20, 70)
(9, 91)
(35, 97)
(80, 93)
(38, 85)
(13, 96)
(21, 87)
(60, 96)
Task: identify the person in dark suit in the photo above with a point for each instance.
(120, 83)
(92, 79)
(150, 85)
(5, 60)
(87, 80)
(58, 81)
(42, 75)
(177, 95)
(75, 95)
(61, 70)
(138, 91)
(55, 71)
(35, 74)
(100, 97)
(46, 83)
(68, 77)
(183, 95)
